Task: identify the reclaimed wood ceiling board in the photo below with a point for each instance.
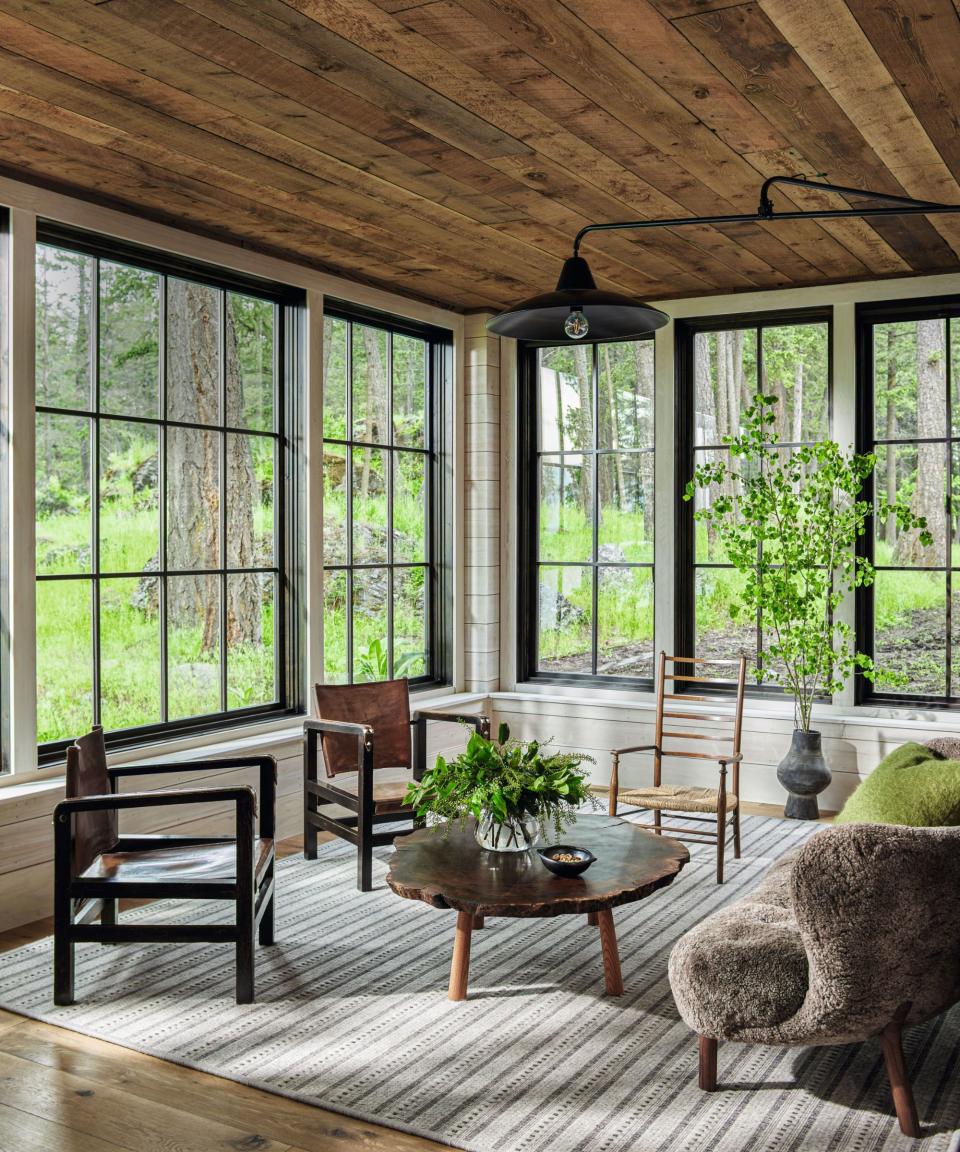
(450, 149)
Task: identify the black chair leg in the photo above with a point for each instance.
(266, 933)
(108, 912)
(309, 840)
(245, 963)
(365, 867)
(63, 965)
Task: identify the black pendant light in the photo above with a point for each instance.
(578, 311)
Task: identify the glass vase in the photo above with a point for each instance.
(517, 834)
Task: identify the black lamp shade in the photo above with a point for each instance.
(610, 315)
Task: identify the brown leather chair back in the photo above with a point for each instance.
(94, 832)
(384, 706)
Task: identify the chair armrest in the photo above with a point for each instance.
(633, 748)
(242, 796)
(268, 779)
(731, 759)
(362, 732)
(480, 722)
(227, 762)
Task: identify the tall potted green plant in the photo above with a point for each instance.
(788, 521)
(514, 790)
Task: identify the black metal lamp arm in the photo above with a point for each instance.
(898, 206)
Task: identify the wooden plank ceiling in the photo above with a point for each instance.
(450, 149)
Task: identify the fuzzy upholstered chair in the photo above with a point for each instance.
(852, 936)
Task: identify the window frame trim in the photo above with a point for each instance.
(290, 304)
(867, 316)
(441, 499)
(528, 519)
(685, 566)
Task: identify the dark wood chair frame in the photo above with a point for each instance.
(359, 827)
(731, 760)
(79, 902)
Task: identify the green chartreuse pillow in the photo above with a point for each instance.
(913, 785)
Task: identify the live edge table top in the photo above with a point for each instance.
(450, 870)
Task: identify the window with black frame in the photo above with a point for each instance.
(909, 383)
(587, 412)
(724, 364)
(383, 382)
(160, 516)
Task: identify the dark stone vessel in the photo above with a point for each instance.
(804, 774)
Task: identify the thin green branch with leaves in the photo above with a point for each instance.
(788, 520)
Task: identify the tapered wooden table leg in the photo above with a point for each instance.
(460, 965)
(592, 919)
(477, 922)
(613, 980)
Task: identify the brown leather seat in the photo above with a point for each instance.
(187, 863)
(388, 793)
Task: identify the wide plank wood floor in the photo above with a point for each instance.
(63, 1092)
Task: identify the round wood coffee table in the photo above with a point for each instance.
(453, 871)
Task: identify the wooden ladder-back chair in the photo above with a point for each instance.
(362, 734)
(95, 866)
(684, 801)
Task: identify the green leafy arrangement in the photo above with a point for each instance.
(509, 779)
(789, 520)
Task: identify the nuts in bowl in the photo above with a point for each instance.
(565, 860)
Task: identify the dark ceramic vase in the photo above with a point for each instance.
(804, 774)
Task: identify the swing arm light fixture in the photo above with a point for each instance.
(577, 309)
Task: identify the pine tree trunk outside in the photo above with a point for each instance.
(193, 473)
(929, 496)
(645, 433)
(582, 368)
(890, 528)
(703, 387)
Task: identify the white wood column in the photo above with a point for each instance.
(665, 494)
(311, 612)
(481, 506)
(844, 432)
(20, 291)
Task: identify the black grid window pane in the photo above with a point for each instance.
(159, 543)
(730, 364)
(909, 379)
(594, 506)
(380, 571)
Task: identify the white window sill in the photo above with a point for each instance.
(226, 742)
(826, 717)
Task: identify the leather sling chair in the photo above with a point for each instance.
(95, 866)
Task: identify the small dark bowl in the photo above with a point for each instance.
(566, 867)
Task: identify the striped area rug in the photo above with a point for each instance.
(352, 1014)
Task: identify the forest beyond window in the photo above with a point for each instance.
(159, 578)
(591, 448)
(910, 417)
(379, 551)
(727, 365)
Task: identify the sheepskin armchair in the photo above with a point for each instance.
(852, 936)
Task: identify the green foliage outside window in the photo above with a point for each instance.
(788, 521)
